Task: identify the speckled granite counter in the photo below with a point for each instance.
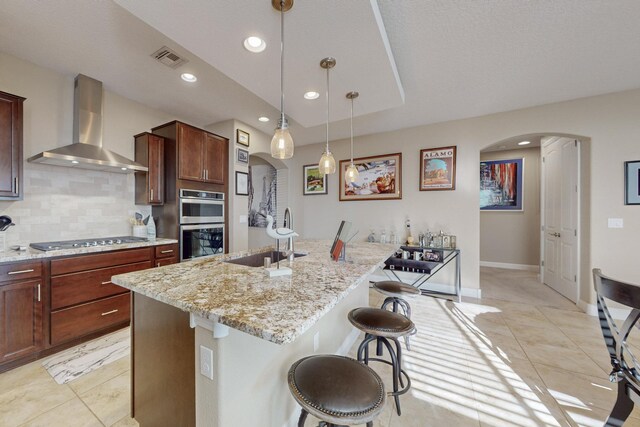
(30, 253)
(276, 309)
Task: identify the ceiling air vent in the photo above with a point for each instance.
(168, 57)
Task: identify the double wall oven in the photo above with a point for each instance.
(201, 224)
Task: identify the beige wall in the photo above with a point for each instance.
(64, 203)
(514, 237)
(610, 122)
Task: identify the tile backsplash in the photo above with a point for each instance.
(65, 203)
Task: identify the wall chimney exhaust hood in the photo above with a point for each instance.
(86, 152)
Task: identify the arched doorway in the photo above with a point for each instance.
(268, 195)
(514, 239)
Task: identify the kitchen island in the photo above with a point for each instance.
(250, 326)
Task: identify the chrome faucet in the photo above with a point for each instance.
(288, 223)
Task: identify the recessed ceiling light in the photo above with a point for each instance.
(75, 162)
(124, 169)
(254, 44)
(311, 95)
(188, 77)
(263, 119)
(524, 143)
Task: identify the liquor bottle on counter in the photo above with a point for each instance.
(409, 236)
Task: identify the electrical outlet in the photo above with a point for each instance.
(206, 362)
(243, 219)
(316, 341)
(616, 223)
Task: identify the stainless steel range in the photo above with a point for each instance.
(86, 243)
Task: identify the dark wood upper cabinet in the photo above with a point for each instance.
(10, 146)
(21, 314)
(149, 152)
(214, 159)
(190, 153)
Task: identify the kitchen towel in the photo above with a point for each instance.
(70, 364)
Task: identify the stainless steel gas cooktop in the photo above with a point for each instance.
(86, 243)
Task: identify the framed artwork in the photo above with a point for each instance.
(242, 137)
(438, 169)
(501, 185)
(632, 182)
(242, 156)
(314, 181)
(379, 178)
(242, 183)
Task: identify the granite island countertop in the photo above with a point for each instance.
(30, 253)
(277, 309)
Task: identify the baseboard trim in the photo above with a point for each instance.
(508, 266)
(592, 310)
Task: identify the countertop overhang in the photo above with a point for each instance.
(30, 253)
(277, 309)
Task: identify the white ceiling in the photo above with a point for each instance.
(454, 58)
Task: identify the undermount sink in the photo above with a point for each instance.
(257, 260)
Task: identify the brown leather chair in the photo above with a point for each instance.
(396, 296)
(338, 390)
(383, 326)
(626, 371)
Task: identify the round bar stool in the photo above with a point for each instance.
(395, 293)
(384, 326)
(338, 390)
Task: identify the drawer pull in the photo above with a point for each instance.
(168, 251)
(109, 312)
(108, 282)
(39, 295)
(31, 270)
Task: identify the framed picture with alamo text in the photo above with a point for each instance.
(379, 178)
(438, 169)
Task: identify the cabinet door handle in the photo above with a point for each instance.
(109, 312)
(168, 251)
(39, 296)
(15, 184)
(151, 198)
(108, 282)
(20, 272)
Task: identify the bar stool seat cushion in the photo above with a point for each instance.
(396, 289)
(337, 389)
(380, 322)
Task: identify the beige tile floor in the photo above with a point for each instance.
(521, 356)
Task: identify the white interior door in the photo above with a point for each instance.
(560, 174)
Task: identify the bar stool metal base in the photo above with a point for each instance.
(303, 418)
(395, 363)
(396, 303)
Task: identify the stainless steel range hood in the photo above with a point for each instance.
(86, 152)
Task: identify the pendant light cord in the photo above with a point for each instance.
(327, 109)
(282, 61)
(351, 130)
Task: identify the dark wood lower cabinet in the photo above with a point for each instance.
(50, 305)
(21, 313)
(163, 364)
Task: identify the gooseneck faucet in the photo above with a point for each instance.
(288, 223)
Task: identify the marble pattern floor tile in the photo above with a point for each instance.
(83, 359)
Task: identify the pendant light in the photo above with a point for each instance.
(351, 175)
(327, 163)
(282, 143)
